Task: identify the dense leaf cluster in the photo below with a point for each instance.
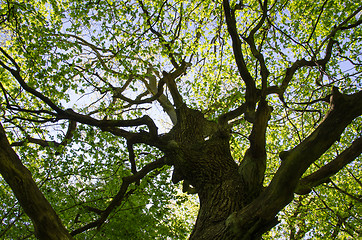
(90, 90)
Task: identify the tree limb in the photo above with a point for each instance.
(262, 211)
(252, 167)
(120, 196)
(256, 53)
(163, 100)
(323, 174)
(224, 118)
(251, 91)
(46, 222)
(132, 157)
(44, 143)
(85, 119)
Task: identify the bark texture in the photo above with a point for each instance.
(233, 203)
(201, 157)
(47, 224)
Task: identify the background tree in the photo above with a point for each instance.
(255, 106)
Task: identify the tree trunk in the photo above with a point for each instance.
(202, 158)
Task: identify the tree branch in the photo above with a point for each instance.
(18, 77)
(342, 26)
(312, 63)
(226, 117)
(132, 157)
(319, 16)
(252, 167)
(46, 222)
(162, 40)
(302, 63)
(44, 143)
(12, 60)
(165, 103)
(256, 53)
(262, 211)
(120, 196)
(251, 91)
(323, 174)
(85, 119)
(117, 93)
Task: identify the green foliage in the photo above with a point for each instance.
(78, 52)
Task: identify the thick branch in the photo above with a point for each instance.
(107, 124)
(252, 167)
(323, 174)
(151, 85)
(224, 118)
(251, 91)
(170, 79)
(262, 211)
(46, 222)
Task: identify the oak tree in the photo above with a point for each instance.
(253, 106)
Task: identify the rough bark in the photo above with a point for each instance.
(47, 224)
(259, 215)
(200, 153)
(229, 207)
(201, 157)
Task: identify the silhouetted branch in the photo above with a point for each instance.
(122, 193)
(251, 91)
(262, 211)
(323, 174)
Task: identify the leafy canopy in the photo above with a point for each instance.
(105, 60)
